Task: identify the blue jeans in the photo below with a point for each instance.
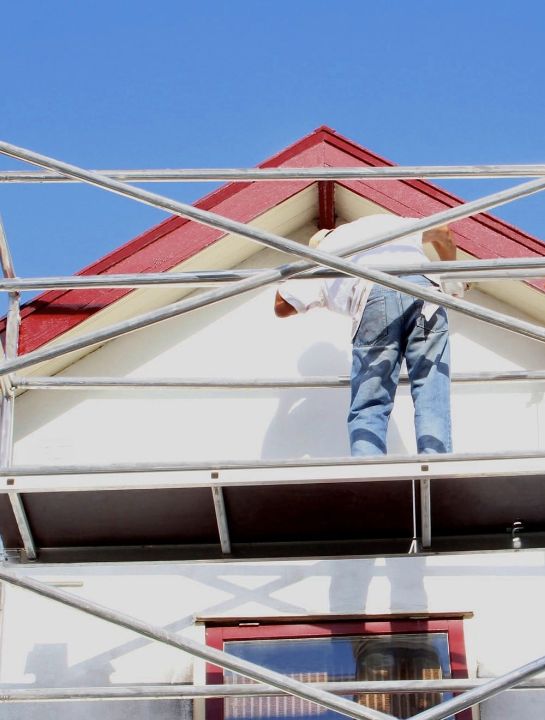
(392, 328)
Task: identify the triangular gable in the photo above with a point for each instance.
(175, 240)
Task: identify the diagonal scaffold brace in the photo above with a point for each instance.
(263, 278)
(212, 655)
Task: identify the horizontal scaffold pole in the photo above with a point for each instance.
(432, 460)
(266, 278)
(10, 694)
(477, 270)
(317, 382)
(398, 172)
(315, 471)
(212, 655)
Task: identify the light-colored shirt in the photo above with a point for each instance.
(348, 295)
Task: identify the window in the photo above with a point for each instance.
(340, 651)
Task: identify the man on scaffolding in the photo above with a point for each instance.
(387, 327)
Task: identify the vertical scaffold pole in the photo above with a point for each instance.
(7, 414)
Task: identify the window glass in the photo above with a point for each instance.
(357, 657)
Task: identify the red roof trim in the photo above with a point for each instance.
(443, 196)
(177, 239)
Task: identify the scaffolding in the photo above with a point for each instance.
(16, 479)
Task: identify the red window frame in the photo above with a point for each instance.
(217, 636)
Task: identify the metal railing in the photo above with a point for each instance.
(10, 694)
(232, 283)
(417, 172)
(475, 270)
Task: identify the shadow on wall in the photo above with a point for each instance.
(321, 588)
(349, 586)
(49, 665)
(393, 591)
(312, 422)
(325, 588)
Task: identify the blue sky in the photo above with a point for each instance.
(134, 84)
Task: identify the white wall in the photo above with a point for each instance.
(47, 644)
(241, 338)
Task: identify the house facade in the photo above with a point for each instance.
(246, 527)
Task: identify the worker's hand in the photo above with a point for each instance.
(442, 240)
(282, 308)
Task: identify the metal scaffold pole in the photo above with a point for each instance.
(397, 172)
(10, 694)
(475, 270)
(300, 471)
(265, 278)
(217, 657)
(7, 406)
(37, 382)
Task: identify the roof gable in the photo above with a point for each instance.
(168, 244)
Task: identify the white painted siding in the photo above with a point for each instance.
(48, 645)
(241, 338)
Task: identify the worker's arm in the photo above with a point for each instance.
(442, 240)
(282, 308)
